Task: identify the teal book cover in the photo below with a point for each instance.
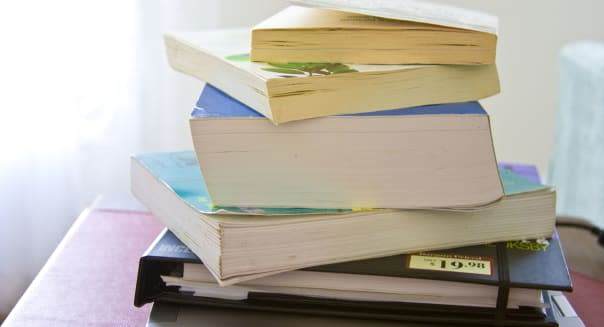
(180, 172)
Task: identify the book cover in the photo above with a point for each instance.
(213, 102)
(178, 314)
(536, 264)
(180, 173)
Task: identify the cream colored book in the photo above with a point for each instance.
(285, 92)
(438, 156)
(239, 244)
(301, 34)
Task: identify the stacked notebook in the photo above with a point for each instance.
(342, 166)
(403, 287)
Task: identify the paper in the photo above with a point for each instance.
(412, 10)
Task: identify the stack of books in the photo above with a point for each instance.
(342, 166)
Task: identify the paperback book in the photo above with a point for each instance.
(285, 92)
(301, 34)
(438, 156)
(238, 244)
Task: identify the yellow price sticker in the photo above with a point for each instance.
(450, 263)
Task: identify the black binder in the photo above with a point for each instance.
(536, 265)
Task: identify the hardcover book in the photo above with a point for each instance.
(438, 156)
(457, 286)
(285, 92)
(301, 34)
(238, 244)
(170, 314)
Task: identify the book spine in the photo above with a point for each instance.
(504, 285)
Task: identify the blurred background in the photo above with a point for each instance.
(85, 84)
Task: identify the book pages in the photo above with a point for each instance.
(413, 10)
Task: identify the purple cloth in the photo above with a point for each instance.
(527, 171)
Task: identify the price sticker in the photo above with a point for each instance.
(468, 265)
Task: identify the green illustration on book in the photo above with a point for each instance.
(298, 68)
(238, 57)
(303, 68)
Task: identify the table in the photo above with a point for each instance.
(90, 278)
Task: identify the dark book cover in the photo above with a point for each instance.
(530, 264)
(177, 314)
(538, 264)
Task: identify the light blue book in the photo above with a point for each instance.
(180, 173)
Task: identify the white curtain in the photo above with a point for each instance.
(84, 84)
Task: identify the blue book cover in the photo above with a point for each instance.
(180, 172)
(215, 103)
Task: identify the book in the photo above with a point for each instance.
(302, 34)
(438, 156)
(285, 92)
(238, 244)
(415, 11)
(171, 314)
(469, 283)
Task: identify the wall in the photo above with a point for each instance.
(86, 84)
(531, 34)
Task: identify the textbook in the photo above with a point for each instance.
(285, 92)
(477, 281)
(238, 244)
(301, 34)
(438, 156)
